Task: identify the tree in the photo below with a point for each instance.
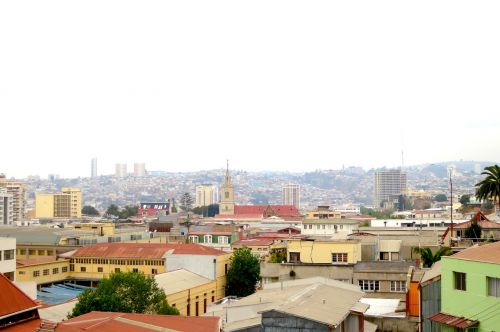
(186, 202)
(130, 292)
(428, 258)
(489, 188)
(473, 231)
(90, 211)
(112, 210)
(440, 198)
(243, 273)
(128, 211)
(465, 199)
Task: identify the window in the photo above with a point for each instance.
(46, 272)
(394, 256)
(225, 269)
(100, 269)
(154, 271)
(117, 269)
(207, 239)
(369, 285)
(222, 240)
(135, 270)
(36, 273)
(339, 257)
(227, 196)
(459, 279)
(21, 273)
(8, 254)
(294, 257)
(317, 226)
(72, 267)
(398, 286)
(193, 238)
(493, 286)
(324, 226)
(384, 256)
(64, 269)
(55, 270)
(83, 269)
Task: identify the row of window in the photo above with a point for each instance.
(397, 286)
(460, 283)
(323, 226)
(46, 272)
(33, 252)
(7, 255)
(208, 239)
(118, 261)
(100, 269)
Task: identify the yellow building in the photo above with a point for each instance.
(189, 292)
(66, 204)
(96, 228)
(324, 251)
(323, 212)
(42, 270)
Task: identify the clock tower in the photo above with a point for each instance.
(226, 205)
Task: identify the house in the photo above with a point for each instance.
(470, 290)
(258, 246)
(335, 228)
(323, 250)
(489, 229)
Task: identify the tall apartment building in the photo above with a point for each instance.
(17, 190)
(121, 170)
(139, 169)
(206, 194)
(6, 213)
(388, 185)
(66, 204)
(93, 168)
(291, 195)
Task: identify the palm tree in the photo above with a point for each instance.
(489, 188)
(428, 258)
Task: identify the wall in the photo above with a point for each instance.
(321, 251)
(276, 272)
(47, 272)
(431, 304)
(276, 321)
(196, 294)
(44, 206)
(8, 267)
(393, 324)
(109, 264)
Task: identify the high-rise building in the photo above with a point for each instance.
(139, 169)
(388, 186)
(121, 170)
(93, 168)
(6, 213)
(206, 194)
(66, 204)
(17, 190)
(226, 205)
(291, 195)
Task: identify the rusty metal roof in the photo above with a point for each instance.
(454, 321)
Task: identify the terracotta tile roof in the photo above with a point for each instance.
(35, 261)
(28, 326)
(454, 321)
(143, 250)
(124, 322)
(488, 253)
(280, 210)
(13, 299)
(239, 216)
(254, 242)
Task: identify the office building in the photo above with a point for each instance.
(140, 169)
(6, 214)
(93, 168)
(66, 204)
(17, 190)
(206, 194)
(121, 170)
(388, 186)
(291, 195)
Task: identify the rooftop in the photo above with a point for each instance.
(487, 253)
(179, 280)
(13, 299)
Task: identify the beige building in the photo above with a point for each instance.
(206, 194)
(17, 190)
(387, 185)
(291, 195)
(139, 169)
(6, 213)
(66, 204)
(121, 170)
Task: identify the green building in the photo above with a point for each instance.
(470, 290)
(216, 239)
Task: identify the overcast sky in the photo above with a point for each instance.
(271, 85)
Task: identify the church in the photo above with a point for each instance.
(229, 210)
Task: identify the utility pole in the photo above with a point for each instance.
(451, 208)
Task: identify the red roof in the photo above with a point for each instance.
(209, 233)
(482, 221)
(12, 299)
(35, 261)
(279, 210)
(124, 322)
(143, 250)
(253, 242)
(453, 321)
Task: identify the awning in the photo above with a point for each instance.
(454, 321)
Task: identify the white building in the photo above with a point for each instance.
(93, 168)
(206, 194)
(139, 169)
(121, 170)
(8, 257)
(336, 228)
(6, 207)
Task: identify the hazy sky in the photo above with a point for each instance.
(271, 85)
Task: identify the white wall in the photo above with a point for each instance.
(329, 229)
(7, 243)
(200, 264)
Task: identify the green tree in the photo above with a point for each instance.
(130, 292)
(277, 256)
(440, 198)
(90, 211)
(128, 211)
(473, 231)
(465, 199)
(186, 202)
(489, 188)
(243, 273)
(112, 210)
(428, 258)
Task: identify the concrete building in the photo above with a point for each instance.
(6, 207)
(66, 204)
(323, 250)
(93, 168)
(17, 190)
(139, 169)
(291, 195)
(8, 257)
(388, 184)
(335, 228)
(206, 194)
(121, 170)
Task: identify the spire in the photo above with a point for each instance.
(227, 180)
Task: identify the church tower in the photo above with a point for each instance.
(226, 205)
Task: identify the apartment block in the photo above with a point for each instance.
(388, 184)
(6, 207)
(17, 190)
(66, 204)
(291, 195)
(206, 194)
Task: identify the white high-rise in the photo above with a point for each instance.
(139, 169)
(93, 168)
(387, 185)
(6, 207)
(121, 170)
(291, 195)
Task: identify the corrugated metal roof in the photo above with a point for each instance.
(179, 280)
(453, 321)
(488, 253)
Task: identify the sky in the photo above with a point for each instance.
(269, 85)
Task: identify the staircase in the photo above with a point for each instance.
(46, 326)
